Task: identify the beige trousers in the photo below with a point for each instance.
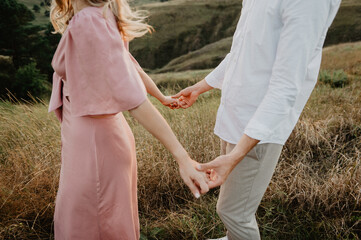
(244, 188)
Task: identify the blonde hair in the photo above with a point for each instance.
(130, 23)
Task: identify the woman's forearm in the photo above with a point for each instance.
(149, 117)
(151, 87)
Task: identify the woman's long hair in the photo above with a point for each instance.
(130, 23)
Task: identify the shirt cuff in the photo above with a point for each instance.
(257, 130)
(213, 82)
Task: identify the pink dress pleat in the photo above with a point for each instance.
(97, 195)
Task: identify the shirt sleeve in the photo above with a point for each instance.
(304, 24)
(216, 77)
(101, 76)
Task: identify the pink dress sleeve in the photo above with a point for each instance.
(101, 76)
(135, 62)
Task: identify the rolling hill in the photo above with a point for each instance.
(207, 57)
(344, 56)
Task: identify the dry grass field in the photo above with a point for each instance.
(315, 192)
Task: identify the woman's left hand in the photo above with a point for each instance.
(170, 102)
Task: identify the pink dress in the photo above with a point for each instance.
(95, 74)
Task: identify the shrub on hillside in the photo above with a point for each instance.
(7, 72)
(36, 8)
(28, 79)
(337, 79)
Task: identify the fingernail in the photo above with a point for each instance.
(197, 195)
(199, 167)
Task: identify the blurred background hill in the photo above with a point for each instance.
(189, 34)
(187, 25)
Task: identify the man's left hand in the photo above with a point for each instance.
(218, 169)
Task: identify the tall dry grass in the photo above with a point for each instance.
(314, 194)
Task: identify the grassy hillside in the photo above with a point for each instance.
(345, 56)
(314, 194)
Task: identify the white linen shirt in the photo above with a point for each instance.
(272, 67)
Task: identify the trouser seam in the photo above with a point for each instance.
(253, 180)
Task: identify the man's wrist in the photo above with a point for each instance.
(198, 88)
(243, 147)
(236, 156)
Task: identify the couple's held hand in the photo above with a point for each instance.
(170, 102)
(201, 177)
(196, 181)
(184, 99)
(187, 97)
(218, 170)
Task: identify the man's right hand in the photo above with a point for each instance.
(187, 97)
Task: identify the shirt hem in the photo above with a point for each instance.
(280, 142)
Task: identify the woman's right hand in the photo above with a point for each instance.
(196, 181)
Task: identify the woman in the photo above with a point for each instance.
(95, 79)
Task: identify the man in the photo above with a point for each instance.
(266, 80)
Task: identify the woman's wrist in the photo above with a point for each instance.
(161, 98)
(181, 156)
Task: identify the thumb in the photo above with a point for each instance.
(178, 95)
(205, 166)
(185, 92)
